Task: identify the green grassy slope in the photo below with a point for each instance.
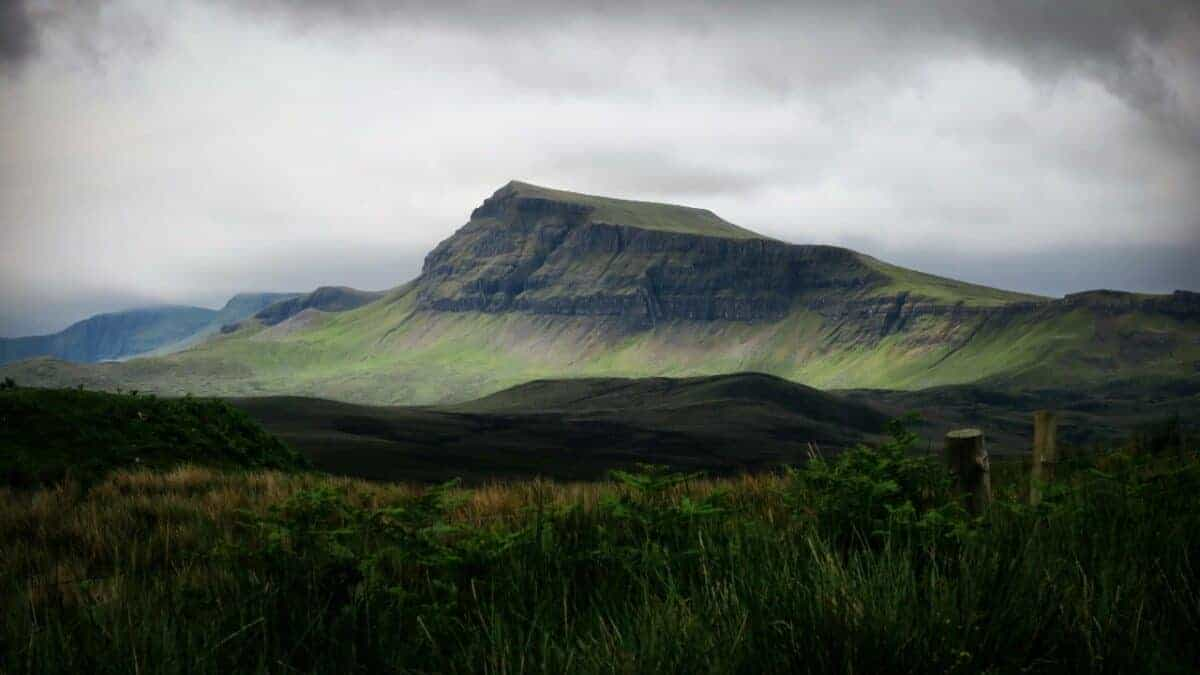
(919, 284)
(388, 353)
(239, 307)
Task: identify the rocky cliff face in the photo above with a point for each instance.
(542, 256)
(545, 252)
(1180, 304)
(875, 318)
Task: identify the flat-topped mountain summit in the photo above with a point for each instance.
(543, 251)
(518, 197)
(543, 283)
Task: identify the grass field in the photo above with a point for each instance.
(863, 563)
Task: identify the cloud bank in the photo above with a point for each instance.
(183, 150)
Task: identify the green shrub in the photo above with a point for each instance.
(46, 434)
(868, 496)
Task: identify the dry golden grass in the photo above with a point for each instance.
(56, 536)
(174, 572)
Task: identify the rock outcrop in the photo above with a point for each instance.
(545, 252)
(542, 256)
(1180, 304)
(325, 299)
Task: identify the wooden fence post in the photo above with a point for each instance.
(968, 460)
(1045, 453)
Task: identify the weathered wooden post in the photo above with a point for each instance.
(968, 460)
(1045, 453)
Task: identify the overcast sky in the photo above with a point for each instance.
(184, 150)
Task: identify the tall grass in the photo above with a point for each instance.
(861, 564)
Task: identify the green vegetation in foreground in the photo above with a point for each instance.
(644, 215)
(46, 434)
(863, 563)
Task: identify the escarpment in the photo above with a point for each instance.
(545, 252)
(543, 283)
(541, 256)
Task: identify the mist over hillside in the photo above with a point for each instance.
(150, 330)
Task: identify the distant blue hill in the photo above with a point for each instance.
(121, 335)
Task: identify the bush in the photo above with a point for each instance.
(50, 433)
(868, 496)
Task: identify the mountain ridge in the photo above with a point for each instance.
(537, 285)
(154, 329)
(523, 251)
(111, 335)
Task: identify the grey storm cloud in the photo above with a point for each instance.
(16, 32)
(1112, 39)
(181, 150)
(1126, 45)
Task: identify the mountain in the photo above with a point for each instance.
(245, 305)
(121, 335)
(111, 336)
(543, 283)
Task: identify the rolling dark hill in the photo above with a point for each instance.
(1089, 417)
(581, 428)
(574, 429)
(548, 284)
